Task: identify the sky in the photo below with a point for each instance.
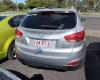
(19, 1)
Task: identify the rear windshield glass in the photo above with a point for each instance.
(2, 17)
(50, 21)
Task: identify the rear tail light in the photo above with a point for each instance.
(73, 63)
(18, 33)
(76, 37)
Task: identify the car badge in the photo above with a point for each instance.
(41, 35)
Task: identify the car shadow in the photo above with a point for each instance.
(92, 61)
(4, 60)
(23, 77)
(37, 77)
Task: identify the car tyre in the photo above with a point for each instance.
(11, 52)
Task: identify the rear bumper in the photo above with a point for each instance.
(56, 62)
(50, 66)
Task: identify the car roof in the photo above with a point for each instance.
(60, 10)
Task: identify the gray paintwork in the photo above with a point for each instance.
(60, 55)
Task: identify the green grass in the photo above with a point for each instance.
(9, 13)
(89, 14)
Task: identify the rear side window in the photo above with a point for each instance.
(50, 21)
(2, 17)
(16, 20)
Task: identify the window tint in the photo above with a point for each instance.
(16, 20)
(2, 17)
(50, 21)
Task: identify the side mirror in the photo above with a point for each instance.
(83, 19)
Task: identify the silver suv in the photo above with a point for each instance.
(51, 38)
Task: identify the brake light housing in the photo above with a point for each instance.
(76, 37)
(18, 33)
(73, 63)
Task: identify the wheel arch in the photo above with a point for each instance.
(10, 40)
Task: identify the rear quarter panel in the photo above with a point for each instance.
(7, 35)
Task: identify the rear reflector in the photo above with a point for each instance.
(76, 37)
(73, 63)
(18, 33)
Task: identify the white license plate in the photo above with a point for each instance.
(44, 43)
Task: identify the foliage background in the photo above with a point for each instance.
(81, 5)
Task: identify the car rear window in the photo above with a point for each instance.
(50, 21)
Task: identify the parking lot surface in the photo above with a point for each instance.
(91, 70)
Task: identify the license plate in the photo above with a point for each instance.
(44, 43)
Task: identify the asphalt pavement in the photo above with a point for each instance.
(91, 70)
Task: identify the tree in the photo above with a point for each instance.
(60, 3)
(3, 8)
(7, 2)
(12, 6)
(78, 5)
(69, 3)
(21, 6)
(45, 3)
